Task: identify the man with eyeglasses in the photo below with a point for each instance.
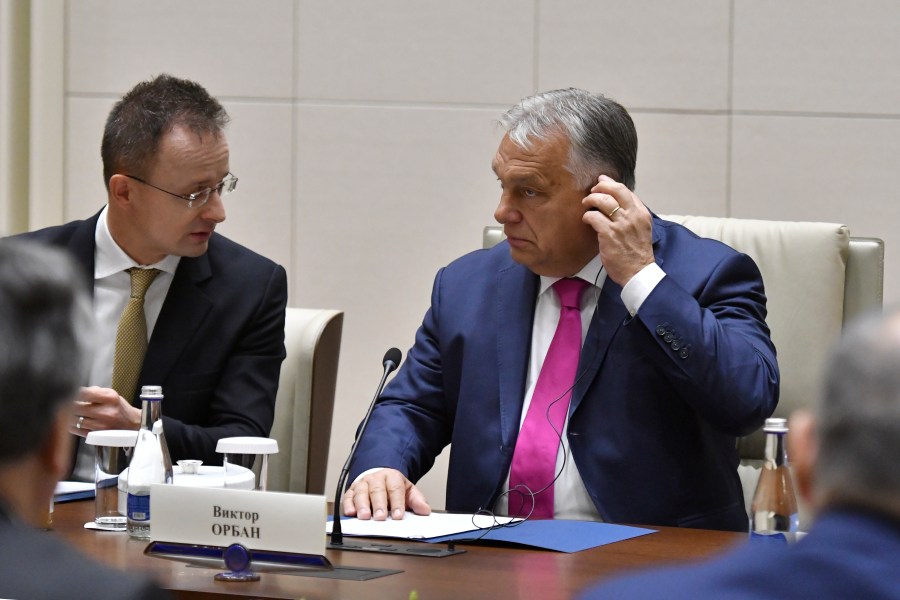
(214, 310)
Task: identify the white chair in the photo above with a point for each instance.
(816, 278)
(305, 401)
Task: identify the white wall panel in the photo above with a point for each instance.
(808, 55)
(85, 193)
(233, 48)
(682, 163)
(415, 50)
(260, 211)
(386, 196)
(644, 54)
(822, 169)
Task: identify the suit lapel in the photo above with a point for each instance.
(609, 316)
(185, 307)
(82, 245)
(516, 296)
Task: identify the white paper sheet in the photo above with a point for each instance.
(413, 526)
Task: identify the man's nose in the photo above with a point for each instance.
(214, 209)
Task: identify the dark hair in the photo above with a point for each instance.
(599, 129)
(151, 109)
(44, 322)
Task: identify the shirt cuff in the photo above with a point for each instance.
(367, 472)
(639, 287)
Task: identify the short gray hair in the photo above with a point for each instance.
(600, 132)
(45, 320)
(858, 418)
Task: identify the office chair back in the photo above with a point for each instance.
(305, 402)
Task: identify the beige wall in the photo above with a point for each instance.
(363, 130)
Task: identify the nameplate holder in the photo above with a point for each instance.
(221, 517)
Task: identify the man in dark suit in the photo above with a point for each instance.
(44, 325)
(844, 454)
(215, 310)
(675, 361)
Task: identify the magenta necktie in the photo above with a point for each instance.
(534, 459)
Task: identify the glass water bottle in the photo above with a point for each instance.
(150, 462)
(773, 512)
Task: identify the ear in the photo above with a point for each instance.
(803, 451)
(56, 454)
(120, 189)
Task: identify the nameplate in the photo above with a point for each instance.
(221, 517)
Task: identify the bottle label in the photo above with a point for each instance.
(139, 507)
(777, 537)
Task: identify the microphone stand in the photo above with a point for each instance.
(337, 536)
(391, 361)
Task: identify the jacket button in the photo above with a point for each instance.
(676, 344)
(668, 337)
(684, 353)
(660, 330)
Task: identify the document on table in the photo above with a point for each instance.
(417, 527)
(72, 490)
(553, 534)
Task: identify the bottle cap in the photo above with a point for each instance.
(775, 425)
(247, 445)
(120, 438)
(151, 392)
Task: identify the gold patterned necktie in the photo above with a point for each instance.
(131, 336)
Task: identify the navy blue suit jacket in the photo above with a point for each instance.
(847, 554)
(656, 407)
(217, 346)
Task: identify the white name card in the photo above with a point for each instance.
(221, 517)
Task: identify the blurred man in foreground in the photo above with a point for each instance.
(44, 321)
(845, 456)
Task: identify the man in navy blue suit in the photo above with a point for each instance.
(215, 309)
(844, 453)
(676, 358)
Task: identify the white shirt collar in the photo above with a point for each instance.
(589, 272)
(111, 259)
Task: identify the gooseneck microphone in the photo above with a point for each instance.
(390, 361)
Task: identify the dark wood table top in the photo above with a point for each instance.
(488, 571)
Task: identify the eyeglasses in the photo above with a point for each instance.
(197, 199)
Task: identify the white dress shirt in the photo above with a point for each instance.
(112, 289)
(570, 498)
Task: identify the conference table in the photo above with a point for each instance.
(486, 571)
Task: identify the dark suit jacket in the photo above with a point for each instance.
(37, 564)
(658, 401)
(847, 554)
(218, 343)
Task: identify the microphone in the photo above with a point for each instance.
(390, 361)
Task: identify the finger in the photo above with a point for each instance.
(347, 504)
(618, 191)
(378, 496)
(79, 426)
(397, 486)
(416, 501)
(356, 501)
